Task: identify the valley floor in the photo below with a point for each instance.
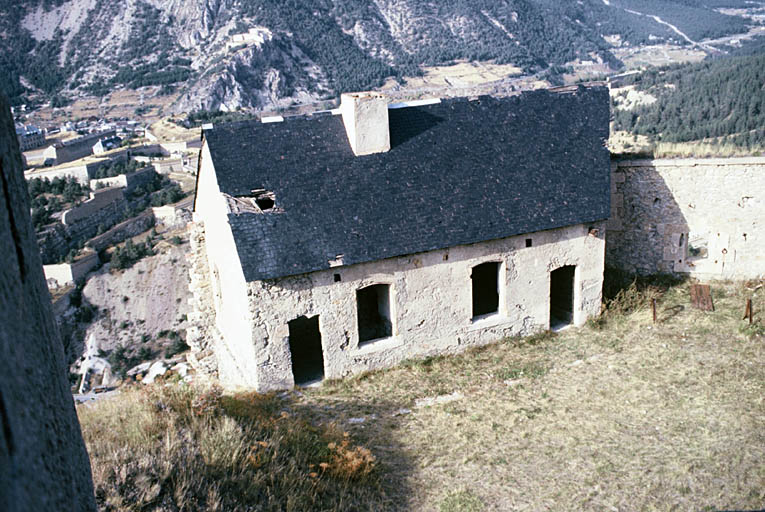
(622, 414)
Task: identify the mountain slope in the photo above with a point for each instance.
(305, 50)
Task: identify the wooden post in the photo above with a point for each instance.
(701, 297)
(653, 308)
(748, 311)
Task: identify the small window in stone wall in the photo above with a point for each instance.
(373, 309)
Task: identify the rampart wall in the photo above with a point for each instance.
(68, 273)
(78, 148)
(127, 181)
(99, 201)
(105, 208)
(82, 173)
(702, 217)
(122, 231)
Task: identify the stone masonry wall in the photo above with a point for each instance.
(431, 305)
(122, 231)
(702, 217)
(69, 273)
(201, 335)
(127, 181)
(105, 208)
(43, 462)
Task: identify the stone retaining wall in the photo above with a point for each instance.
(68, 273)
(122, 231)
(129, 181)
(702, 217)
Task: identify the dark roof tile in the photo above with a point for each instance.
(458, 172)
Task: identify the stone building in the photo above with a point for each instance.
(29, 137)
(352, 239)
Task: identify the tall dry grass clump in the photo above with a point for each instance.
(176, 447)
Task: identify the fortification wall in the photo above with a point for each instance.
(43, 462)
(166, 166)
(69, 273)
(127, 181)
(82, 173)
(105, 208)
(100, 201)
(80, 147)
(702, 217)
(173, 215)
(122, 231)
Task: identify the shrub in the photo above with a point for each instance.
(179, 345)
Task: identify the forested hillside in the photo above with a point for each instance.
(56, 50)
(722, 98)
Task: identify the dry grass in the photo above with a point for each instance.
(627, 145)
(619, 415)
(174, 447)
(622, 414)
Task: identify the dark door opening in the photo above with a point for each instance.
(373, 308)
(305, 348)
(562, 296)
(485, 279)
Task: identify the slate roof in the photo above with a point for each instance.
(458, 172)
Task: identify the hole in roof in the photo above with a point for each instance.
(264, 199)
(264, 203)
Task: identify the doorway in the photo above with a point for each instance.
(305, 349)
(562, 296)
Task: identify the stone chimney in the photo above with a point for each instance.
(365, 116)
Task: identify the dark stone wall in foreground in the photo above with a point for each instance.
(43, 462)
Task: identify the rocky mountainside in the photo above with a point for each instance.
(226, 54)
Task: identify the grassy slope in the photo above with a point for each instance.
(621, 414)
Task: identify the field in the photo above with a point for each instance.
(622, 414)
(120, 103)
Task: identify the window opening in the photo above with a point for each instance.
(337, 278)
(373, 304)
(305, 349)
(562, 296)
(528, 242)
(485, 282)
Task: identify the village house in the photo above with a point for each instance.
(352, 239)
(106, 144)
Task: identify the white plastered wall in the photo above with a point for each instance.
(431, 302)
(235, 352)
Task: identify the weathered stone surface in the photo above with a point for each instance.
(43, 462)
(702, 217)
(431, 303)
(201, 334)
